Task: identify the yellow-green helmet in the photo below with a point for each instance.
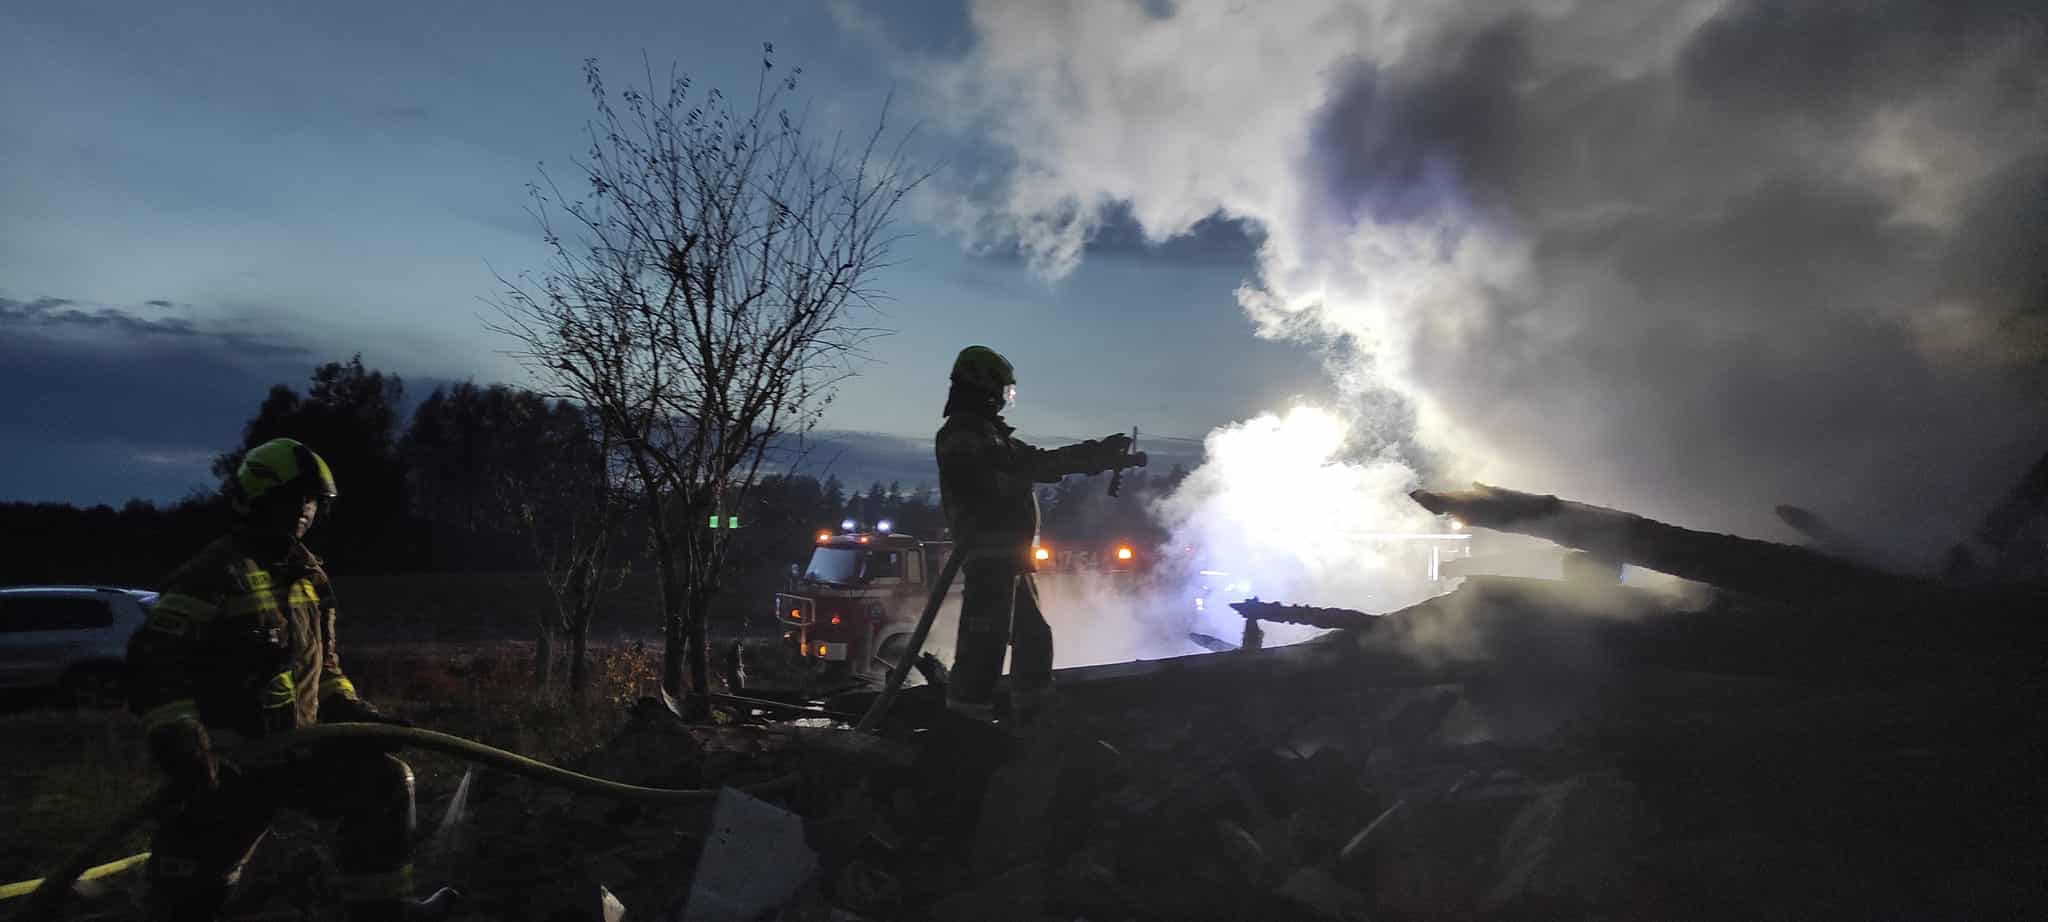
(984, 368)
(277, 464)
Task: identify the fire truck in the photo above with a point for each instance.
(851, 609)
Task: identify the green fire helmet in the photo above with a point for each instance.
(279, 464)
(984, 368)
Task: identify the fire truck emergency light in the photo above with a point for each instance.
(847, 525)
(1041, 554)
(882, 526)
(824, 536)
(1123, 553)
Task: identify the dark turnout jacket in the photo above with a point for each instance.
(988, 478)
(242, 639)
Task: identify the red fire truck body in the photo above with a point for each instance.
(856, 602)
(859, 597)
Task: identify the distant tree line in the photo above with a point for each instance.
(492, 478)
(483, 478)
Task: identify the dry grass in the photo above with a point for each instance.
(65, 774)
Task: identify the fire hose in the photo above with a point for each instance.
(46, 895)
(872, 720)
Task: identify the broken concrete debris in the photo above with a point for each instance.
(754, 860)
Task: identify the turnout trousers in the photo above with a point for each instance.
(365, 793)
(999, 612)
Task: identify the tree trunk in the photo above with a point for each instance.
(579, 656)
(700, 655)
(544, 655)
(673, 606)
(576, 608)
(672, 600)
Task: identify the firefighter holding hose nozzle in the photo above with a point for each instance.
(241, 646)
(987, 485)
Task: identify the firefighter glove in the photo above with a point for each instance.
(182, 751)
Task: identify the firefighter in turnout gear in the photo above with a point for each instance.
(988, 486)
(240, 646)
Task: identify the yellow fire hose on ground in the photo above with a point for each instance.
(46, 896)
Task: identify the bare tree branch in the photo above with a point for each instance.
(704, 300)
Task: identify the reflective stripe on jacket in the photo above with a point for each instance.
(238, 644)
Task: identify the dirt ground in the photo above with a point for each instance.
(66, 773)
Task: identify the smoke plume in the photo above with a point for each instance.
(1690, 258)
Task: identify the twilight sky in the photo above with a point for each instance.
(203, 199)
(1693, 257)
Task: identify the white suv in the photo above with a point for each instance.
(75, 639)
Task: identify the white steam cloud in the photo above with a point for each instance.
(1293, 504)
(1692, 258)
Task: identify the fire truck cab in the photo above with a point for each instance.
(855, 603)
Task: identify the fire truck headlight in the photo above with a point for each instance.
(1123, 553)
(1457, 525)
(846, 525)
(883, 526)
(824, 536)
(1041, 554)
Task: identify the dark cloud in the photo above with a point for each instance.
(1213, 242)
(100, 405)
(119, 328)
(861, 458)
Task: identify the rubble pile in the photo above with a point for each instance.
(1825, 739)
(1817, 738)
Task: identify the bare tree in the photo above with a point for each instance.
(570, 515)
(705, 299)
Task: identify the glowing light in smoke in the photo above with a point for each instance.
(1290, 500)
